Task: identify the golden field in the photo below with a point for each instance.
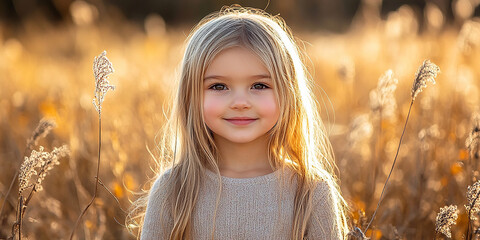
(46, 72)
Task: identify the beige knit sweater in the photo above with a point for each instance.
(249, 208)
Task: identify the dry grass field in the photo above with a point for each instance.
(46, 72)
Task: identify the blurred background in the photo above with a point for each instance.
(46, 54)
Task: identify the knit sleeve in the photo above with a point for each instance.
(323, 223)
(158, 223)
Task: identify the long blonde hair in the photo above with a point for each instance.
(298, 139)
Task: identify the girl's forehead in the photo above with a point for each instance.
(237, 52)
(236, 61)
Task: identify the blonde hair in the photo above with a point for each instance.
(298, 139)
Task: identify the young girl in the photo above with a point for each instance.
(249, 155)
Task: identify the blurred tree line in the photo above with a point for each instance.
(332, 15)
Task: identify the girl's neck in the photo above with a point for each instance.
(243, 159)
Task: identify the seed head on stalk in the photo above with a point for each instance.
(42, 130)
(27, 169)
(473, 140)
(102, 67)
(39, 163)
(473, 206)
(445, 219)
(427, 72)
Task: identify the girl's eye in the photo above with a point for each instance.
(221, 87)
(259, 86)
(218, 87)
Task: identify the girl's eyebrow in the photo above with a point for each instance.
(258, 76)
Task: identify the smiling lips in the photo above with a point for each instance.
(241, 120)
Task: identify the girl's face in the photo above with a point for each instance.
(239, 103)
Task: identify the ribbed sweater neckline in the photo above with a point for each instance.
(252, 180)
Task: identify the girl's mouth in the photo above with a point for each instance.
(241, 121)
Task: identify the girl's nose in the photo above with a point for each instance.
(240, 101)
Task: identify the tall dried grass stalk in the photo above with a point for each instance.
(473, 142)
(43, 128)
(383, 105)
(382, 99)
(426, 72)
(473, 206)
(102, 68)
(39, 163)
(469, 36)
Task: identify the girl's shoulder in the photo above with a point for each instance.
(161, 180)
(324, 214)
(323, 191)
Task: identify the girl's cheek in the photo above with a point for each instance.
(211, 105)
(269, 106)
(270, 110)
